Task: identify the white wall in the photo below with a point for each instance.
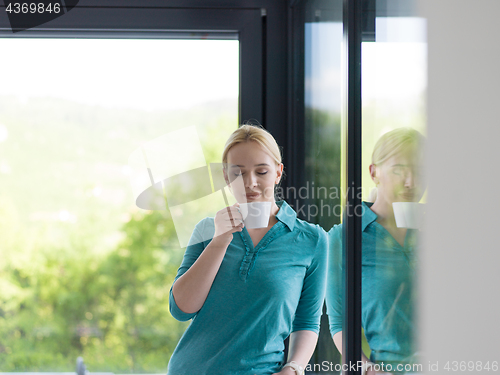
(460, 288)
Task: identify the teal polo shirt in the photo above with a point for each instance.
(259, 296)
(388, 280)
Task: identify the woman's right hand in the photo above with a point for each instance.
(191, 289)
(227, 221)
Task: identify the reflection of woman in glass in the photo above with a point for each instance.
(388, 256)
(246, 290)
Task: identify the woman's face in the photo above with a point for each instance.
(256, 168)
(400, 178)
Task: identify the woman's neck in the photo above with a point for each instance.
(385, 217)
(274, 209)
(384, 212)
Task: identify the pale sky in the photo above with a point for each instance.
(395, 67)
(168, 74)
(140, 73)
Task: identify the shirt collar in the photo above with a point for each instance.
(286, 214)
(368, 215)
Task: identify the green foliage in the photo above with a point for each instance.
(112, 310)
(323, 165)
(98, 286)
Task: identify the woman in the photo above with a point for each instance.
(246, 290)
(388, 256)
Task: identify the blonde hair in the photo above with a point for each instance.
(255, 133)
(394, 142)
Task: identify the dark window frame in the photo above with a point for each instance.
(270, 79)
(352, 234)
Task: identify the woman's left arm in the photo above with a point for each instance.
(302, 344)
(305, 327)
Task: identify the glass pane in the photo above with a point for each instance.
(85, 271)
(393, 97)
(323, 36)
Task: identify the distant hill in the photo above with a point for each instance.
(62, 160)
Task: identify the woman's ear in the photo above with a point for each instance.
(279, 173)
(373, 173)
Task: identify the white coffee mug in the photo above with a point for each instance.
(256, 214)
(409, 214)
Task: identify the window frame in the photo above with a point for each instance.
(271, 80)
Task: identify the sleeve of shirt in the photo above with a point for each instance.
(334, 280)
(310, 307)
(196, 245)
